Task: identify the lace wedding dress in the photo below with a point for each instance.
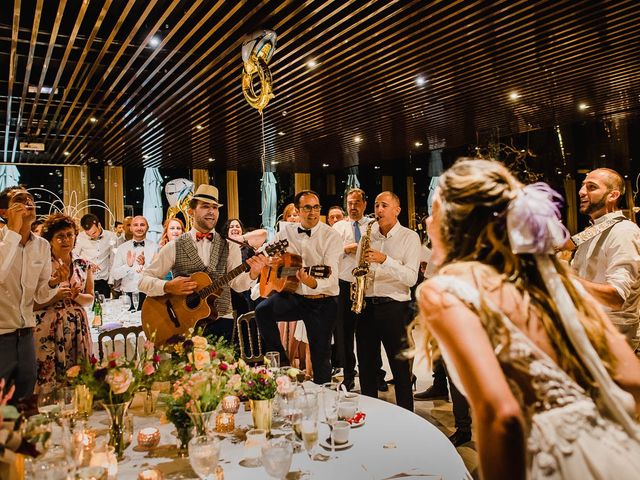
(568, 436)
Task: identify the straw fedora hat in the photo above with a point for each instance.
(208, 194)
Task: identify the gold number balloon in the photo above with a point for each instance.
(256, 53)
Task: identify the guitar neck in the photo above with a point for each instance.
(290, 271)
(223, 280)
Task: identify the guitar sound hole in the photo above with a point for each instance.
(193, 300)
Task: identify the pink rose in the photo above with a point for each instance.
(199, 342)
(201, 358)
(148, 369)
(284, 384)
(120, 380)
(74, 371)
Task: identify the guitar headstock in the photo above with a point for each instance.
(320, 271)
(276, 248)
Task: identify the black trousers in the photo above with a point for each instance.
(217, 328)
(384, 324)
(318, 316)
(461, 410)
(141, 297)
(102, 287)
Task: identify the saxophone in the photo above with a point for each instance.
(360, 273)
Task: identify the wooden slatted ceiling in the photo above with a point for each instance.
(121, 101)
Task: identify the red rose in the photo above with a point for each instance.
(156, 358)
(213, 354)
(93, 360)
(187, 368)
(224, 367)
(112, 364)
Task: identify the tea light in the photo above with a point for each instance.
(230, 404)
(148, 437)
(225, 422)
(88, 439)
(151, 474)
(106, 458)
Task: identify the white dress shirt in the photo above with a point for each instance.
(399, 272)
(153, 277)
(25, 272)
(613, 258)
(323, 247)
(130, 276)
(101, 251)
(346, 229)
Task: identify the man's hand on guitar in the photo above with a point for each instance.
(307, 279)
(256, 263)
(180, 286)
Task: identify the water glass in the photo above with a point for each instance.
(256, 438)
(50, 403)
(204, 452)
(69, 406)
(125, 302)
(272, 359)
(276, 457)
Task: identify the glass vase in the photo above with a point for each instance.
(202, 422)
(262, 413)
(184, 433)
(84, 401)
(117, 430)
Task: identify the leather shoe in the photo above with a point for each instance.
(432, 393)
(459, 438)
(382, 385)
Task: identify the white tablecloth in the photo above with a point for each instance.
(113, 316)
(392, 441)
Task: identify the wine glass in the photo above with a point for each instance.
(276, 457)
(309, 423)
(288, 408)
(272, 359)
(203, 455)
(68, 405)
(330, 394)
(125, 303)
(50, 404)
(135, 299)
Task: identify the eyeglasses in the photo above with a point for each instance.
(308, 208)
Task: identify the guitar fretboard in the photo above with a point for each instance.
(218, 283)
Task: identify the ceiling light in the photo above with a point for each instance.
(284, 113)
(199, 127)
(67, 154)
(325, 165)
(418, 144)
(155, 41)
(376, 167)
(211, 159)
(582, 106)
(418, 169)
(281, 133)
(93, 119)
(514, 95)
(420, 80)
(312, 64)
(357, 139)
(273, 162)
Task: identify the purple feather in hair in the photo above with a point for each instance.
(533, 220)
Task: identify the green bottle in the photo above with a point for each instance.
(97, 313)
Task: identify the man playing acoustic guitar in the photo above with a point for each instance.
(315, 299)
(201, 249)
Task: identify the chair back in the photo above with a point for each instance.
(249, 341)
(131, 349)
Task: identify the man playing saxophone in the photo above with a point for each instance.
(394, 259)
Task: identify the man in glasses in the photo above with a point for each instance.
(25, 277)
(315, 299)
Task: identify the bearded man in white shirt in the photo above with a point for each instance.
(608, 263)
(315, 299)
(202, 249)
(97, 246)
(25, 277)
(132, 257)
(394, 259)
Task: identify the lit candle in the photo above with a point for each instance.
(151, 474)
(148, 437)
(225, 423)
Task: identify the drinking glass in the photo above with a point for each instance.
(125, 302)
(330, 406)
(288, 408)
(135, 298)
(256, 438)
(68, 403)
(276, 457)
(50, 404)
(309, 425)
(203, 455)
(273, 360)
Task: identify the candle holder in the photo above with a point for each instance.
(148, 438)
(225, 422)
(150, 474)
(230, 404)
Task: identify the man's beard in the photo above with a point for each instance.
(594, 207)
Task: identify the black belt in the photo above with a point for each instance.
(379, 300)
(20, 332)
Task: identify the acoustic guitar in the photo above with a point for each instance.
(280, 276)
(171, 315)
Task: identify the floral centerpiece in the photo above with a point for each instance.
(199, 372)
(113, 382)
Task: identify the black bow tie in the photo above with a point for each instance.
(97, 238)
(138, 244)
(303, 230)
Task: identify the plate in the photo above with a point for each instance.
(359, 424)
(326, 443)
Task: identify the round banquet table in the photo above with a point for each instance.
(392, 443)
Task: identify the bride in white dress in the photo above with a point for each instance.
(532, 351)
